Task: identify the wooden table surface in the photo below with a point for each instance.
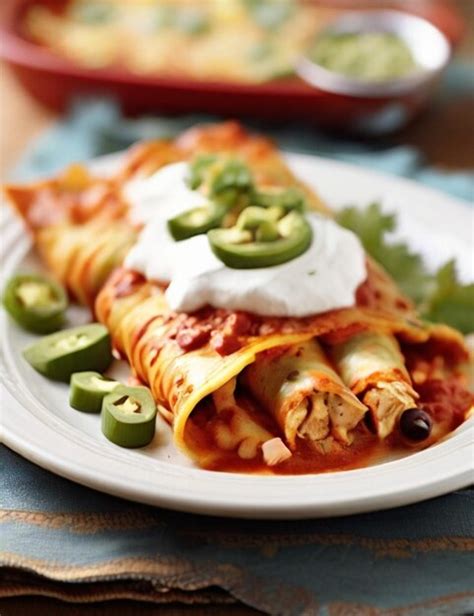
(445, 134)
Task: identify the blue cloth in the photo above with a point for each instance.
(417, 559)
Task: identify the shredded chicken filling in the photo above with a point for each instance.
(386, 402)
(318, 417)
(327, 413)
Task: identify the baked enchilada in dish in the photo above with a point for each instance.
(242, 41)
(269, 340)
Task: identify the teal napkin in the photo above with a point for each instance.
(414, 561)
(60, 539)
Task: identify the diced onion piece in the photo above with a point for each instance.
(275, 451)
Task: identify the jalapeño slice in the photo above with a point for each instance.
(35, 302)
(128, 416)
(59, 355)
(289, 199)
(252, 217)
(239, 249)
(196, 221)
(88, 389)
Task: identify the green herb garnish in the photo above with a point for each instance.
(232, 182)
(450, 301)
(439, 297)
(198, 170)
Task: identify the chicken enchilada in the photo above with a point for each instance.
(269, 340)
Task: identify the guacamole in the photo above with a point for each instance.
(368, 56)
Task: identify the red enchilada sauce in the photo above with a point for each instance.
(446, 400)
(307, 458)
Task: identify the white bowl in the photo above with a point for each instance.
(429, 46)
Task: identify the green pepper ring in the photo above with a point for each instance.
(40, 319)
(129, 429)
(59, 355)
(87, 396)
(252, 255)
(182, 226)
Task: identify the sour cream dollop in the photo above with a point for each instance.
(323, 278)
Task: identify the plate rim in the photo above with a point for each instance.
(440, 481)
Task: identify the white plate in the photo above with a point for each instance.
(39, 424)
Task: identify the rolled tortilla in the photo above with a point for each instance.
(298, 386)
(195, 385)
(372, 365)
(81, 228)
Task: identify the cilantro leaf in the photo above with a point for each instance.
(406, 267)
(439, 298)
(450, 302)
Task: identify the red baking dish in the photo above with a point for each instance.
(53, 81)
